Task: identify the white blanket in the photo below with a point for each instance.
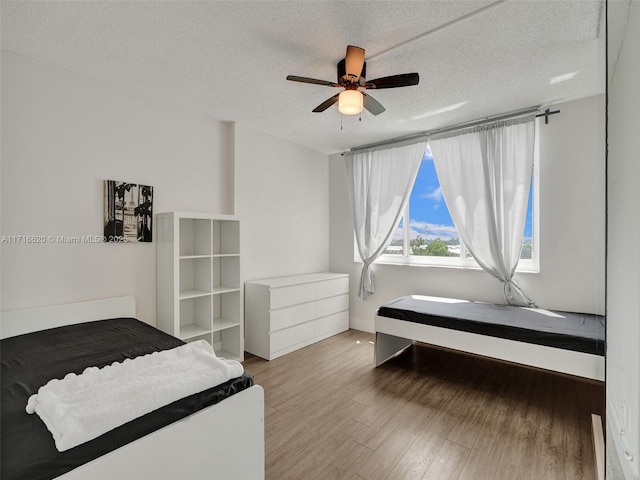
(82, 407)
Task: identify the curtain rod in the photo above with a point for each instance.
(459, 126)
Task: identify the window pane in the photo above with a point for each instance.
(527, 243)
(431, 230)
(432, 237)
(395, 247)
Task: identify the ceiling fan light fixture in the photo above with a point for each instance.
(350, 102)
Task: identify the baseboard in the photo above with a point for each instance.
(362, 325)
(598, 445)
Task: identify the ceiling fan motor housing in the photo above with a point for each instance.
(342, 72)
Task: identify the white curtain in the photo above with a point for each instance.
(380, 184)
(485, 176)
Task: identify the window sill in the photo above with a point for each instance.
(529, 268)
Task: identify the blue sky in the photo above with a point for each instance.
(429, 216)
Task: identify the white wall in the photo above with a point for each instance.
(282, 198)
(62, 135)
(623, 257)
(572, 229)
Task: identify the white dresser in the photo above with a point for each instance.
(284, 314)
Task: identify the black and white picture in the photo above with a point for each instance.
(128, 212)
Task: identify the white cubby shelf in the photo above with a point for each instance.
(198, 280)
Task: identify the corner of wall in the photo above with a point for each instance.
(229, 154)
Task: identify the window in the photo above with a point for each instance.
(426, 234)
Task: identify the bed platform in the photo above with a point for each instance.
(572, 343)
(224, 438)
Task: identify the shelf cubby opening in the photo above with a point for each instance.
(195, 237)
(195, 317)
(195, 277)
(226, 343)
(226, 272)
(226, 310)
(226, 237)
(206, 337)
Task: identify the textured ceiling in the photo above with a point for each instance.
(229, 59)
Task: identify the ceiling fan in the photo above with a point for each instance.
(352, 72)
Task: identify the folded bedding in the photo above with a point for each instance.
(79, 408)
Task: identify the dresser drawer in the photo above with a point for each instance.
(330, 288)
(290, 316)
(292, 295)
(328, 306)
(333, 323)
(290, 336)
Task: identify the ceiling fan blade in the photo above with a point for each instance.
(354, 61)
(295, 78)
(402, 80)
(372, 104)
(327, 103)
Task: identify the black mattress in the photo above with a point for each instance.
(581, 332)
(30, 361)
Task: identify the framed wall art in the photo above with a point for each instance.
(128, 212)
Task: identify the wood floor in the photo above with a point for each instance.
(428, 414)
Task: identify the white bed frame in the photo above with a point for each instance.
(224, 441)
(393, 336)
